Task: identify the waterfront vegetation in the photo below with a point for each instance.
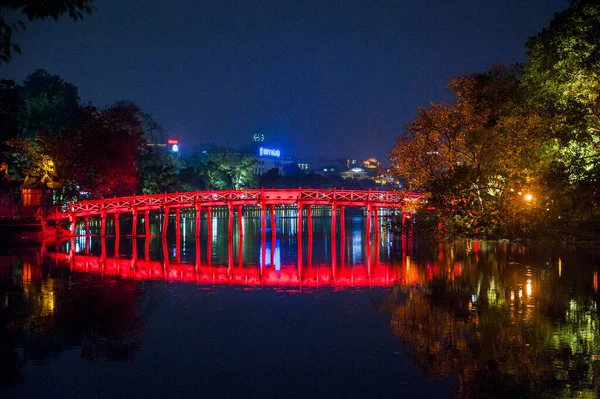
(516, 154)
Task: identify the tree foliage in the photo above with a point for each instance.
(35, 10)
(49, 104)
(512, 131)
(97, 155)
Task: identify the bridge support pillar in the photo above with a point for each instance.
(342, 220)
(134, 223)
(263, 218)
(240, 215)
(376, 221)
(229, 220)
(209, 222)
(333, 219)
(178, 222)
(273, 221)
(368, 227)
(117, 227)
(103, 224)
(165, 221)
(299, 222)
(73, 220)
(86, 221)
(309, 220)
(147, 222)
(198, 221)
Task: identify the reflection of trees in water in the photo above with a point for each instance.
(40, 318)
(504, 329)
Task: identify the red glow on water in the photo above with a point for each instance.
(289, 275)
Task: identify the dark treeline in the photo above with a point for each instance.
(517, 153)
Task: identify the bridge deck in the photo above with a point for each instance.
(236, 198)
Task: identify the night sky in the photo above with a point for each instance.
(327, 78)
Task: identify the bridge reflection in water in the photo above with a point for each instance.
(286, 259)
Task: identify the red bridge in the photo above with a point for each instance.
(234, 201)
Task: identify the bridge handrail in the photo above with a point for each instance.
(250, 195)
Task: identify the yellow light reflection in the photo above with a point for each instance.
(559, 267)
(528, 287)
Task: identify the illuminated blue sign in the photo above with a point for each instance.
(269, 152)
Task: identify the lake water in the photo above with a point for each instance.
(278, 316)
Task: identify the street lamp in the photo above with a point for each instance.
(528, 197)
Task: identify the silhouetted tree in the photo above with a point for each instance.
(35, 10)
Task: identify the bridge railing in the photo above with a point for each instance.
(249, 196)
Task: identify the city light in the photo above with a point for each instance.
(269, 152)
(175, 148)
(528, 197)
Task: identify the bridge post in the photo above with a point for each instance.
(309, 219)
(209, 221)
(198, 255)
(299, 222)
(86, 221)
(117, 227)
(198, 221)
(376, 220)
(241, 250)
(273, 221)
(368, 228)
(117, 240)
(333, 219)
(165, 221)
(178, 222)
(342, 220)
(229, 219)
(73, 220)
(134, 223)
(263, 218)
(103, 224)
(147, 222)
(240, 214)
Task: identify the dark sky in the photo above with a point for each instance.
(332, 78)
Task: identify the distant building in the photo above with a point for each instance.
(269, 158)
(171, 145)
(371, 163)
(355, 173)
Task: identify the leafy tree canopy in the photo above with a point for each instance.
(35, 10)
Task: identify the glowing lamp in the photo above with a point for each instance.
(175, 148)
(528, 197)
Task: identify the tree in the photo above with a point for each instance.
(159, 172)
(97, 155)
(153, 131)
(473, 156)
(49, 104)
(562, 80)
(35, 10)
(225, 169)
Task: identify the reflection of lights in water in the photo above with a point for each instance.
(356, 246)
(276, 257)
(528, 287)
(407, 263)
(512, 295)
(214, 229)
(559, 267)
(520, 293)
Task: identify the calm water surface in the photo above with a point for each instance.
(279, 316)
